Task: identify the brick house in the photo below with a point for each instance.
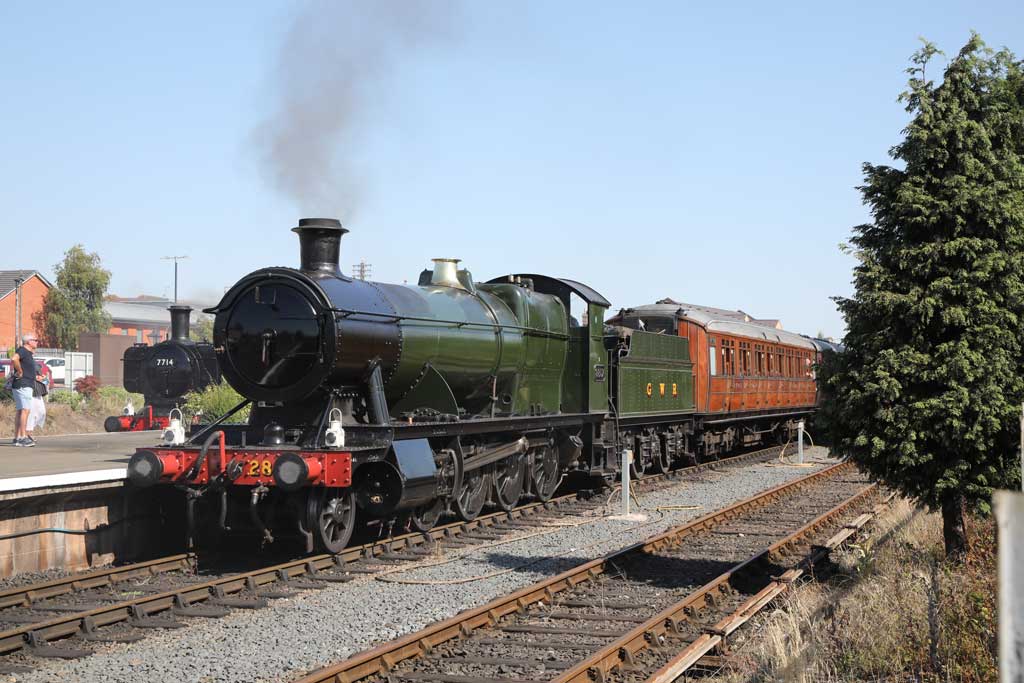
(33, 289)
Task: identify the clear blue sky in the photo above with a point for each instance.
(707, 153)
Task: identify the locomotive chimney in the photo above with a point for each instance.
(180, 320)
(320, 244)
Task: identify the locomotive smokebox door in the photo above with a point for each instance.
(407, 479)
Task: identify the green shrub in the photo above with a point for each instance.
(5, 394)
(68, 398)
(212, 403)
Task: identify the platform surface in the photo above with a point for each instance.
(70, 459)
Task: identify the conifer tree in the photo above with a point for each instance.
(928, 393)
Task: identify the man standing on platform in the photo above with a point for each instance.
(26, 374)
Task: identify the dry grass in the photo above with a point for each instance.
(892, 612)
(68, 419)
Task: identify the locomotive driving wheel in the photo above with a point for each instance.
(331, 517)
(545, 473)
(508, 476)
(472, 495)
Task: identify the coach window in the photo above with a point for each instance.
(712, 357)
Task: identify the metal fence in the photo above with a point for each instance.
(76, 363)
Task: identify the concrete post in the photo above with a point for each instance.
(1009, 506)
(627, 458)
(800, 442)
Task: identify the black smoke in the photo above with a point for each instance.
(335, 58)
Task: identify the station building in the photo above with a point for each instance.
(144, 319)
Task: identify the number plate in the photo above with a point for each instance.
(258, 468)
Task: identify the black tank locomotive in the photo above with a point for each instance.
(164, 373)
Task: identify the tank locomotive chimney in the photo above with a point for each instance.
(320, 244)
(180, 321)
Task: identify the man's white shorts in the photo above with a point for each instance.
(23, 398)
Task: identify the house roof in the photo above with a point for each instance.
(8, 280)
(140, 299)
(154, 313)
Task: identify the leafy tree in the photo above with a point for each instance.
(928, 393)
(75, 303)
(203, 328)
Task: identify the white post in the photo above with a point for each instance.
(1022, 445)
(1009, 507)
(800, 442)
(627, 457)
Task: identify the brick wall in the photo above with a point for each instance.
(33, 292)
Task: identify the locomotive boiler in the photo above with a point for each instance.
(164, 373)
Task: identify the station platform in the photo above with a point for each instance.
(66, 504)
(69, 460)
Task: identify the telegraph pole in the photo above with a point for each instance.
(175, 259)
(17, 311)
(362, 270)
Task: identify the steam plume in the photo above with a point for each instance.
(333, 55)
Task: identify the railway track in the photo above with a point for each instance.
(120, 604)
(648, 612)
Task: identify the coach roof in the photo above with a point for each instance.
(720, 320)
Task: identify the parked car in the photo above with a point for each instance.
(6, 368)
(56, 366)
